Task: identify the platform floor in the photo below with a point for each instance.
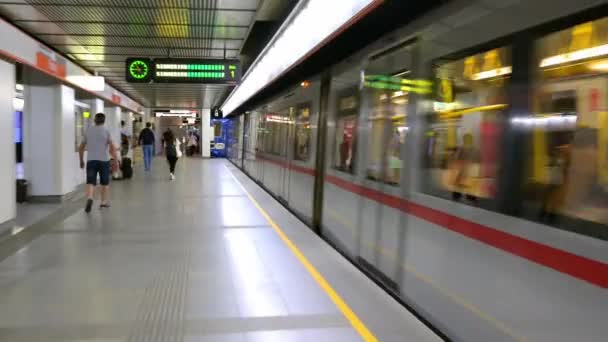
(191, 260)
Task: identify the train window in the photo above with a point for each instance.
(568, 176)
(387, 117)
(462, 141)
(276, 132)
(303, 133)
(262, 133)
(346, 131)
(386, 86)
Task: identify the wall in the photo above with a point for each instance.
(7, 146)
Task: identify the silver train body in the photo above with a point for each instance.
(405, 198)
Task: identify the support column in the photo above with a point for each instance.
(7, 145)
(50, 153)
(206, 132)
(97, 106)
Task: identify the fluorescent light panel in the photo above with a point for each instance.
(492, 73)
(91, 83)
(315, 21)
(578, 55)
(174, 115)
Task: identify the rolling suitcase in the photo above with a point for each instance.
(127, 168)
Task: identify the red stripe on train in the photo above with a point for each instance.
(286, 165)
(586, 269)
(589, 270)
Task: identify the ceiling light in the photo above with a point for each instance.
(403, 73)
(89, 57)
(599, 66)
(492, 73)
(305, 30)
(92, 83)
(278, 118)
(18, 104)
(175, 115)
(578, 55)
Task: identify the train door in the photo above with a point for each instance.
(285, 131)
(246, 142)
(385, 93)
(259, 129)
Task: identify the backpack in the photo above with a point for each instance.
(171, 150)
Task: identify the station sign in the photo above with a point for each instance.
(176, 113)
(171, 70)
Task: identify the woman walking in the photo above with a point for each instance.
(172, 151)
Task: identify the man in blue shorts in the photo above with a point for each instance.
(98, 142)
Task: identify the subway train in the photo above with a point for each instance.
(462, 163)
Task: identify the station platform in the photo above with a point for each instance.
(207, 257)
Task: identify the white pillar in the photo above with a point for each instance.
(206, 132)
(7, 145)
(97, 106)
(50, 157)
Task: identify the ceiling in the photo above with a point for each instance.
(100, 34)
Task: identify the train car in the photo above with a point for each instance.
(461, 164)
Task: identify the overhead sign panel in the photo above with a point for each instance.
(176, 113)
(197, 71)
(170, 70)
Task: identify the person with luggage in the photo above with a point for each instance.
(126, 166)
(147, 140)
(172, 151)
(98, 141)
(192, 143)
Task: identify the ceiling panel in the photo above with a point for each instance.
(238, 4)
(249, 5)
(130, 14)
(166, 43)
(137, 30)
(135, 51)
(101, 34)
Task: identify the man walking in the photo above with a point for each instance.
(146, 140)
(98, 142)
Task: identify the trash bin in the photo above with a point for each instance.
(21, 190)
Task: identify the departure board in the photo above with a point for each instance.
(197, 71)
(174, 70)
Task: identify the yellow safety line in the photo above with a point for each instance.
(348, 313)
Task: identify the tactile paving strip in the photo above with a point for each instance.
(161, 313)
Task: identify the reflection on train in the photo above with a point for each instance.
(478, 195)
